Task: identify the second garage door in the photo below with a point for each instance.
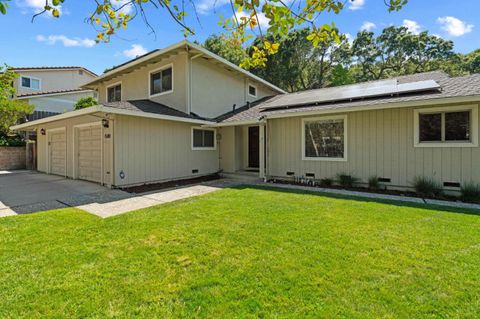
(89, 161)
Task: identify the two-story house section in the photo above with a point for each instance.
(52, 90)
(149, 125)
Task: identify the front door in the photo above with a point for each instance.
(253, 147)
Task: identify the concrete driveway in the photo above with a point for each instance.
(24, 192)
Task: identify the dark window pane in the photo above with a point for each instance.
(166, 80)
(114, 93)
(155, 81)
(208, 139)
(325, 139)
(26, 82)
(430, 127)
(252, 90)
(457, 126)
(197, 138)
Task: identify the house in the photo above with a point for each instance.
(52, 90)
(182, 112)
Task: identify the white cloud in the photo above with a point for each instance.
(356, 4)
(412, 26)
(368, 26)
(66, 41)
(262, 19)
(455, 27)
(205, 6)
(349, 38)
(35, 6)
(135, 51)
(127, 9)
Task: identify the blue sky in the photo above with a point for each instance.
(69, 40)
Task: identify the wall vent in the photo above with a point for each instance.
(194, 171)
(451, 184)
(384, 180)
(310, 175)
(290, 173)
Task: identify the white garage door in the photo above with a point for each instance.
(89, 160)
(57, 144)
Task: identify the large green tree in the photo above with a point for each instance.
(11, 110)
(109, 18)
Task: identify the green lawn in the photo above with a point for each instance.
(243, 253)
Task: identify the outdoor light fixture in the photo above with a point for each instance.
(42, 131)
(105, 123)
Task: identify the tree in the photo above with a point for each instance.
(222, 46)
(85, 102)
(397, 51)
(11, 111)
(299, 65)
(108, 18)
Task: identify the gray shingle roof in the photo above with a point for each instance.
(150, 107)
(451, 87)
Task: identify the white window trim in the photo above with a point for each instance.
(474, 126)
(248, 89)
(31, 78)
(164, 67)
(194, 148)
(112, 85)
(345, 138)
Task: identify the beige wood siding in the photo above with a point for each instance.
(215, 89)
(135, 85)
(58, 103)
(149, 150)
(381, 143)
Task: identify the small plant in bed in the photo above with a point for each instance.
(374, 183)
(470, 192)
(427, 186)
(326, 182)
(346, 180)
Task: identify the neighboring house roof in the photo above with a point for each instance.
(157, 55)
(451, 87)
(150, 107)
(50, 93)
(53, 68)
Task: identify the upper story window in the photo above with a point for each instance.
(324, 138)
(161, 81)
(449, 126)
(114, 93)
(252, 90)
(203, 139)
(30, 83)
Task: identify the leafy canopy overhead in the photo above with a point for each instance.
(108, 19)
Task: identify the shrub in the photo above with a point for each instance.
(373, 183)
(85, 102)
(427, 186)
(346, 180)
(326, 182)
(12, 141)
(470, 192)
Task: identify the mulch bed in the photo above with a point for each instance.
(158, 186)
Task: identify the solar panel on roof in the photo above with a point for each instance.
(350, 92)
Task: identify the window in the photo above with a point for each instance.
(161, 81)
(203, 139)
(448, 126)
(114, 93)
(324, 138)
(252, 90)
(30, 83)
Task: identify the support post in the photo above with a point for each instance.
(262, 151)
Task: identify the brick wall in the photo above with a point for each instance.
(12, 157)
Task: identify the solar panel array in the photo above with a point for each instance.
(350, 92)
